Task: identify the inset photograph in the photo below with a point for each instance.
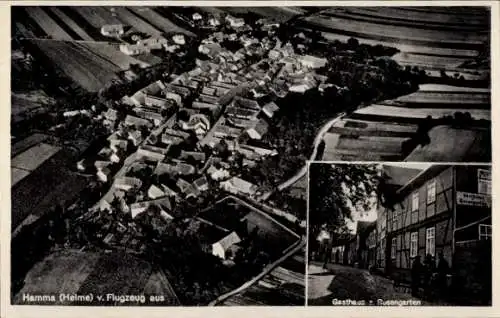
(399, 234)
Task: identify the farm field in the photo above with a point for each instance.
(24, 102)
(33, 157)
(375, 126)
(26, 143)
(97, 16)
(410, 35)
(421, 99)
(430, 61)
(395, 112)
(401, 16)
(72, 24)
(368, 143)
(85, 67)
(160, 22)
(450, 88)
(76, 272)
(447, 144)
(281, 14)
(48, 25)
(131, 19)
(408, 48)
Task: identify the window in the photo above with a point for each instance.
(484, 181)
(393, 248)
(413, 244)
(484, 232)
(430, 241)
(431, 192)
(414, 201)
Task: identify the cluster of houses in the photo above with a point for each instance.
(174, 140)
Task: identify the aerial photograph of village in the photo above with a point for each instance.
(159, 154)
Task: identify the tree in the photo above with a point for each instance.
(338, 191)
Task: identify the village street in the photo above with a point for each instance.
(340, 282)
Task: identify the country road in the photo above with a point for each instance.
(317, 140)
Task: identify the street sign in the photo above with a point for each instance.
(473, 199)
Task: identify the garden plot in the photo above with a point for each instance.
(48, 25)
(368, 128)
(34, 156)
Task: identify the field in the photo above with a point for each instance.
(26, 143)
(29, 160)
(72, 24)
(409, 35)
(446, 99)
(449, 88)
(75, 272)
(448, 144)
(395, 112)
(27, 102)
(48, 25)
(159, 21)
(50, 182)
(85, 67)
(281, 14)
(369, 144)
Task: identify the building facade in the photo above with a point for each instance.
(444, 209)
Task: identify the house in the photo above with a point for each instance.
(443, 209)
(224, 131)
(235, 22)
(155, 101)
(239, 101)
(134, 49)
(112, 30)
(179, 39)
(151, 152)
(111, 115)
(218, 174)
(137, 122)
(81, 165)
(163, 204)
(195, 155)
(198, 123)
(221, 247)
(177, 98)
(154, 192)
(105, 152)
(302, 87)
(269, 109)
(214, 22)
(178, 89)
(191, 192)
(136, 137)
(201, 183)
(183, 185)
(197, 17)
(99, 164)
(238, 186)
(153, 43)
(153, 116)
(243, 113)
(103, 174)
(169, 192)
(127, 183)
(118, 144)
(258, 130)
(312, 61)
